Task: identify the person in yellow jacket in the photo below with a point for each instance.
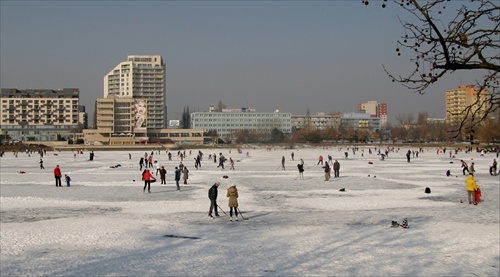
(471, 188)
(232, 193)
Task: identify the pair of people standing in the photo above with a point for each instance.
(58, 176)
(232, 194)
(185, 175)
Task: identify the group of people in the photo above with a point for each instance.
(470, 169)
(148, 177)
(232, 194)
(58, 176)
(327, 167)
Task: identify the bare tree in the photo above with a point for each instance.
(469, 40)
(422, 118)
(220, 106)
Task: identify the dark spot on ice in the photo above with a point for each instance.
(179, 237)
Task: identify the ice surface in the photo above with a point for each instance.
(105, 225)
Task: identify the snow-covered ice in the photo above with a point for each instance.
(105, 225)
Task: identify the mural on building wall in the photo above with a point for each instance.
(140, 115)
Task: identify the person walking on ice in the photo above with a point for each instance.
(212, 195)
(232, 193)
(283, 163)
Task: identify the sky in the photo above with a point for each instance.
(105, 225)
(321, 56)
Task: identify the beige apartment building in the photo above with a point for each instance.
(460, 98)
(40, 114)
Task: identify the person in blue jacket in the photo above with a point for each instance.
(177, 177)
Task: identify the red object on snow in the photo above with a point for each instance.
(478, 195)
(370, 162)
(22, 172)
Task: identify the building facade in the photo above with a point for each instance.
(457, 100)
(361, 121)
(375, 109)
(142, 77)
(122, 121)
(318, 121)
(40, 114)
(228, 121)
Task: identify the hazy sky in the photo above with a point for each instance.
(325, 56)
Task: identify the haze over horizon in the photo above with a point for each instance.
(323, 56)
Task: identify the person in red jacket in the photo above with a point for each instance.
(147, 177)
(57, 175)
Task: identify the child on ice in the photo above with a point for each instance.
(68, 179)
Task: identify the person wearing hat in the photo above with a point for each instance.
(57, 175)
(212, 195)
(232, 193)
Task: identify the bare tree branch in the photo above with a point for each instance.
(468, 41)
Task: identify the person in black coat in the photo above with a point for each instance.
(336, 168)
(327, 171)
(163, 173)
(212, 195)
(300, 167)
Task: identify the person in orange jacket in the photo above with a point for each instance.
(320, 160)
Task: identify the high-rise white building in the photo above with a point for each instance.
(141, 77)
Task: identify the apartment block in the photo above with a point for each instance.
(361, 121)
(457, 100)
(40, 114)
(318, 121)
(375, 109)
